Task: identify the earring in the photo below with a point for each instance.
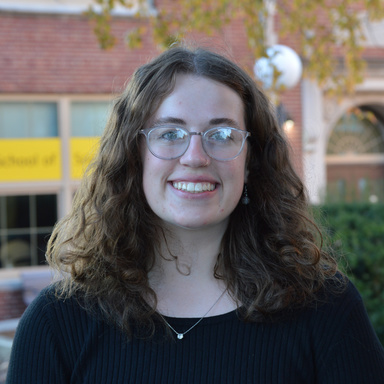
(245, 199)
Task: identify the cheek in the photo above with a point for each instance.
(148, 176)
(241, 172)
(235, 182)
(149, 161)
(155, 174)
(238, 191)
(239, 178)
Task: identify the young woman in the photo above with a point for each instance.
(189, 255)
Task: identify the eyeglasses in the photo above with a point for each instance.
(219, 143)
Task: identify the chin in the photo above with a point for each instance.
(200, 224)
(189, 225)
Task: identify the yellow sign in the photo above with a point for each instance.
(83, 150)
(30, 159)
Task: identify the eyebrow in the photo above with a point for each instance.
(168, 120)
(216, 121)
(224, 121)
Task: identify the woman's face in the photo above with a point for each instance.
(213, 188)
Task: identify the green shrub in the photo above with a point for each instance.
(356, 232)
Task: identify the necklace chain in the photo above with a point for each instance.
(179, 335)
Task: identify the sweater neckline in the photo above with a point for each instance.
(228, 316)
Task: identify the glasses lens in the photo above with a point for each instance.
(168, 142)
(224, 143)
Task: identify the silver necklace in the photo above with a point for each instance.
(179, 335)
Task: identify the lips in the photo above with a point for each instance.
(190, 187)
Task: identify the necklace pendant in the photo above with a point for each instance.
(180, 336)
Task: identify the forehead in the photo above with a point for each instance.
(198, 100)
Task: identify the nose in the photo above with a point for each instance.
(195, 156)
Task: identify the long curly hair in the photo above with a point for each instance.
(271, 254)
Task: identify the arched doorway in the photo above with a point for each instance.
(355, 156)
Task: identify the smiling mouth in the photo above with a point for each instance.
(193, 187)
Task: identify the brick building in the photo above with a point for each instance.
(56, 85)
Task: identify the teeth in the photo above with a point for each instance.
(193, 187)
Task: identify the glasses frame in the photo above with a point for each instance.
(146, 132)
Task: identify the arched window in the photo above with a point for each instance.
(355, 156)
(359, 131)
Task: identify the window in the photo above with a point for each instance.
(355, 156)
(28, 120)
(25, 226)
(357, 132)
(58, 148)
(88, 119)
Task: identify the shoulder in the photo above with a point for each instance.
(332, 303)
(54, 314)
(348, 315)
(49, 301)
(40, 308)
(344, 340)
(337, 304)
(336, 318)
(338, 295)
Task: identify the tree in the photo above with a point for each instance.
(328, 32)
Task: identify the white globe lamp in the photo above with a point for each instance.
(283, 59)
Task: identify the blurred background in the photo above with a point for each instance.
(63, 61)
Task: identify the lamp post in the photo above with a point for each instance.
(280, 70)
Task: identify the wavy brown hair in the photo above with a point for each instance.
(271, 257)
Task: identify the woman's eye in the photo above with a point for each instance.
(170, 135)
(221, 135)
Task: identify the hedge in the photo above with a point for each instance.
(355, 231)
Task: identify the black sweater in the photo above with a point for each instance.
(58, 342)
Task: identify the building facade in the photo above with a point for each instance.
(343, 139)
